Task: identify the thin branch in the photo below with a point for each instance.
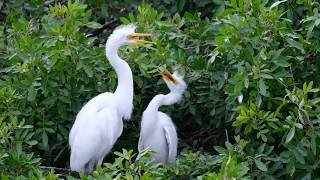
(56, 168)
(105, 26)
(62, 172)
(227, 135)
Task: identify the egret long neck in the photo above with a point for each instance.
(161, 99)
(150, 115)
(124, 91)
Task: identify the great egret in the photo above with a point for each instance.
(99, 123)
(157, 129)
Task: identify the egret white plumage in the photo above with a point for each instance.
(99, 123)
(157, 129)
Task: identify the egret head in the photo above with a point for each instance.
(174, 81)
(125, 35)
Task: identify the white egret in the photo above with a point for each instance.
(157, 129)
(99, 123)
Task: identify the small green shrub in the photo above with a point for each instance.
(188, 165)
(16, 157)
(50, 85)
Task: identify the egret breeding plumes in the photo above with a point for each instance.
(99, 123)
(157, 129)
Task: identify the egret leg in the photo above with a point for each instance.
(89, 167)
(100, 161)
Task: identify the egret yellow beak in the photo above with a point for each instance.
(133, 35)
(168, 76)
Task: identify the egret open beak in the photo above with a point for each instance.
(168, 76)
(133, 35)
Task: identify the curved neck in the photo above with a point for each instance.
(124, 91)
(161, 99)
(150, 115)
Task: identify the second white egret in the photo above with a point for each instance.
(157, 129)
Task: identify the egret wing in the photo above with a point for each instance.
(172, 141)
(140, 144)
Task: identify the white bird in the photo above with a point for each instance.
(99, 123)
(157, 129)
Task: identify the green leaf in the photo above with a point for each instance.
(315, 101)
(164, 24)
(88, 70)
(314, 90)
(298, 125)
(262, 87)
(229, 146)
(277, 54)
(32, 92)
(93, 25)
(123, 155)
(277, 3)
(240, 120)
(261, 165)
(213, 57)
(45, 140)
(220, 150)
(310, 29)
(266, 76)
(246, 82)
(243, 170)
(32, 143)
(303, 116)
(131, 17)
(27, 126)
(299, 157)
(290, 135)
(282, 63)
(295, 44)
(264, 138)
(124, 20)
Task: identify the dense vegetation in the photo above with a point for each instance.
(266, 53)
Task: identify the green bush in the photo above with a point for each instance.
(16, 158)
(189, 165)
(52, 86)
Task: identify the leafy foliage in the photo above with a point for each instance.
(189, 165)
(15, 139)
(50, 84)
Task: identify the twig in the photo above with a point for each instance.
(105, 26)
(227, 135)
(56, 168)
(61, 171)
